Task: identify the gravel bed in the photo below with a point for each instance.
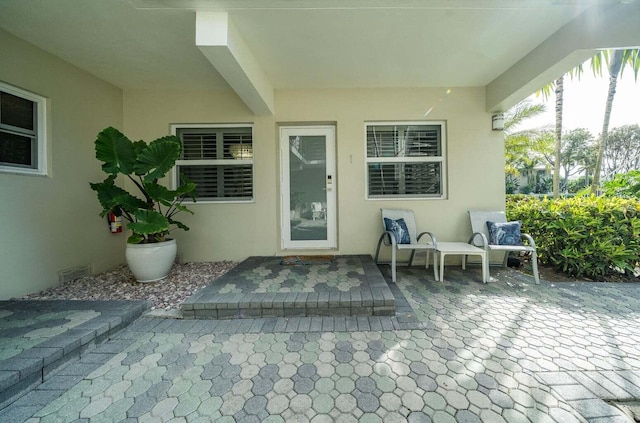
(119, 284)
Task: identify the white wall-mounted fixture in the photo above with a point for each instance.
(497, 122)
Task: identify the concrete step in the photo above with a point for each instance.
(264, 287)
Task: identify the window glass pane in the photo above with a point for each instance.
(308, 187)
(16, 150)
(405, 179)
(199, 145)
(423, 141)
(403, 141)
(237, 144)
(220, 181)
(205, 178)
(218, 149)
(238, 181)
(383, 179)
(382, 141)
(17, 111)
(422, 178)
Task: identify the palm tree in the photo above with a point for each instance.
(558, 145)
(524, 149)
(616, 60)
(558, 87)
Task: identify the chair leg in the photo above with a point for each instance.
(393, 265)
(435, 263)
(378, 248)
(534, 264)
(485, 267)
(506, 259)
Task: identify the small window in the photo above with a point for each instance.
(219, 159)
(22, 131)
(406, 160)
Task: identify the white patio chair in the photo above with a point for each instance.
(389, 239)
(481, 238)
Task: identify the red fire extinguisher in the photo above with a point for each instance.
(115, 223)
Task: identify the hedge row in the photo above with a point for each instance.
(582, 236)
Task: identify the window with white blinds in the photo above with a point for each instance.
(218, 159)
(406, 160)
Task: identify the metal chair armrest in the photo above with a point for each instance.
(391, 241)
(483, 238)
(431, 235)
(530, 240)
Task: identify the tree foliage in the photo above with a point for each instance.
(616, 62)
(622, 150)
(578, 153)
(624, 185)
(525, 149)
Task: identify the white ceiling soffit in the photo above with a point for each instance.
(224, 47)
(598, 28)
(150, 44)
(360, 4)
(127, 47)
(382, 43)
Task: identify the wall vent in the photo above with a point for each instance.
(73, 273)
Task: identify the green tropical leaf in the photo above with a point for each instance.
(187, 188)
(179, 224)
(183, 208)
(116, 152)
(158, 158)
(139, 146)
(112, 198)
(135, 239)
(159, 193)
(149, 222)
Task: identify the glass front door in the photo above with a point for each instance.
(308, 187)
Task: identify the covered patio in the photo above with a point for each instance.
(460, 351)
(365, 72)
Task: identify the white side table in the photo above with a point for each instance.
(462, 249)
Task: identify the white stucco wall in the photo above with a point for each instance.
(51, 223)
(236, 231)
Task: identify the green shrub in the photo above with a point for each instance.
(575, 185)
(525, 189)
(511, 183)
(624, 185)
(543, 185)
(582, 236)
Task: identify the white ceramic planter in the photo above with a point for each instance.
(151, 262)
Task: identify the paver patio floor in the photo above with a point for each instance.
(507, 351)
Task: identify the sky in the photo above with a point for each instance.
(584, 102)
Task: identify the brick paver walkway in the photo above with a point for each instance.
(507, 351)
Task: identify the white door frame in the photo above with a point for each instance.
(330, 187)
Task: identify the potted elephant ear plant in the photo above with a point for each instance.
(151, 213)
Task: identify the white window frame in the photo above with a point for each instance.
(442, 160)
(214, 162)
(39, 135)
